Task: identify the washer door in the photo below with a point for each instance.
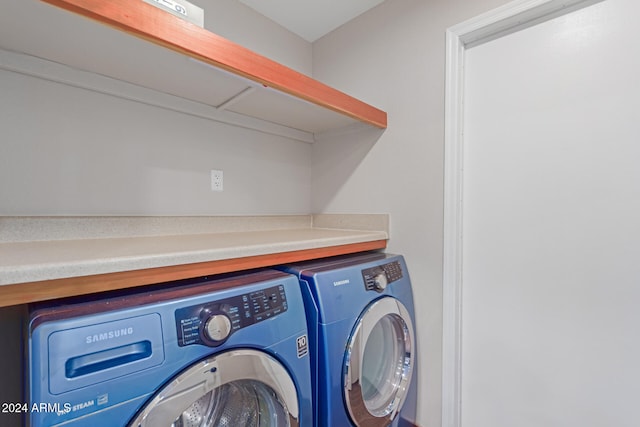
(235, 388)
(379, 363)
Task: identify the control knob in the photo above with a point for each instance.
(217, 327)
(380, 282)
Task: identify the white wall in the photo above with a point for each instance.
(393, 57)
(70, 151)
(239, 23)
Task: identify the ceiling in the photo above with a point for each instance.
(311, 19)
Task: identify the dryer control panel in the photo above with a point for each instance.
(377, 278)
(213, 323)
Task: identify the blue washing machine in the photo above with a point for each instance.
(229, 351)
(363, 342)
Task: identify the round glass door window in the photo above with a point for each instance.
(379, 363)
(240, 403)
(240, 388)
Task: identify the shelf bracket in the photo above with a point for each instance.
(235, 98)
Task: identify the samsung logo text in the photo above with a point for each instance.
(109, 335)
(341, 282)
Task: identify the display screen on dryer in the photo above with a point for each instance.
(213, 322)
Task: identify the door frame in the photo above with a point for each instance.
(499, 22)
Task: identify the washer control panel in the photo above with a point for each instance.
(377, 278)
(213, 323)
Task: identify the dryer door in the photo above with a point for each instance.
(235, 388)
(379, 363)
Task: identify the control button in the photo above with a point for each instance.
(217, 327)
(393, 271)
(380, 282)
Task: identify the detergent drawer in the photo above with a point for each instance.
(86, 355)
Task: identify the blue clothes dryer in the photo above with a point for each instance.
(230, 350)
(363, 342)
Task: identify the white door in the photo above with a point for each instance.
(551, 224)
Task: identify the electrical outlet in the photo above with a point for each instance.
(216, 180)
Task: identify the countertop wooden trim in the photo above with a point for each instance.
(162, 28)
(59, 288)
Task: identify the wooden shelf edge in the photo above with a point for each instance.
(157, 26)
(22, 293)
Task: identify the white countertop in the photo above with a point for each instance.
(23, 258)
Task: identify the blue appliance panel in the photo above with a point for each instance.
(337, 290)
(82, 356)
(122, 351)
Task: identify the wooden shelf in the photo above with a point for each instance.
(236, 80)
